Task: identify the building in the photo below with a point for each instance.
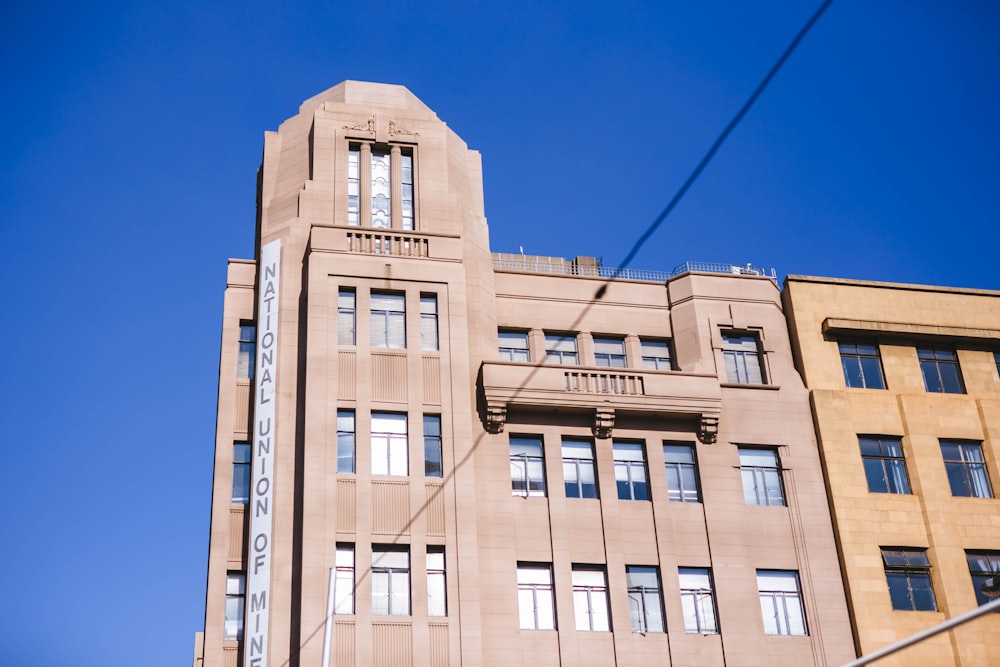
(904, 384)
(431, 454)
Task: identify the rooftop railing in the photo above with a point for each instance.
(560, 266)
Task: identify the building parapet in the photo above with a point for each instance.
(591, 267)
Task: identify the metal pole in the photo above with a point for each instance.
(328, 630)
(992, 605)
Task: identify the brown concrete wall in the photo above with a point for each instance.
(897, 318)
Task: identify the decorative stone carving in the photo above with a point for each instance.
(366, 126)
(604, 422)
(496, 417)
(395, 129)
(708, 429)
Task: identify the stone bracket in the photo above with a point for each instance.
(708, 429)
(496, 417)
(604, 422)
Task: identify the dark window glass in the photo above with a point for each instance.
(940, 368)
(908, 574)
(982, 566)
(432, 446)
(966, 469)
(630, 471)
(645, 600)
(246, 360)
(527, 466)
(241, 472)
(345, 441)
(761, 475)
(885, 468)
(682, 473)
(862, 365)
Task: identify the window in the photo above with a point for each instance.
(761, 475)
(346, 317)
(376, 163)
(241, 472)
(345, 441)
(513, 346)
(388, 321)
(742, 356)
(535, 602)
(982, 566)
(630, 471)
(561, 349)
(527, 467)
(655, 355)
(996, 360)
(432, 446)
(436, 589)
(390, 581)
(246, 359)
(682, 473)
(908, 573)
(940, 368)
(781, 602)
(609, 352)
(236, 590)
(862, 365)
(966, 469)
(590, 598)
(697, 600)
(645, 601)
(885, 468)
(428, 322)
(578, 468)
(389, 447)
(343, 586)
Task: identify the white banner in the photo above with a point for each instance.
(261, 502)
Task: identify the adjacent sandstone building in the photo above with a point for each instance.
(905, 388)
(429, 454)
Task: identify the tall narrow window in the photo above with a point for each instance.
(655, 355)
(561, 349)
(761, 473)
(966, 468)
(590, 598)
(236, 590)
(698, 600)
(346, 317)
(885, 468)
(535, 600)
(527, 466)
(513, 345)
(406, 172)
(682, 473)
(389, 446)
(388, 320)
(578, 468)
(354, 185)
(432, 446)
(390, 581)
(742, 356)
(345, 441)
(428, 322)
(645, 598)
(982, 566)
(609, 352)
(436, 589)
(996, 360)
(908, 574)
(781, 602)
(246, 359)
(862, 365)
(343, 586)
(241, 472)
(630, 471)
(381, 188)
(939, 366)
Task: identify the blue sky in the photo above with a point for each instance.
(132, 137)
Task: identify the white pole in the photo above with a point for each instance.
(992, 605)
(328, 628)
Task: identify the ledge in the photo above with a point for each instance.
(926, 331)
(603, 392)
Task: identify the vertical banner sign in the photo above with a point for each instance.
(261, 501)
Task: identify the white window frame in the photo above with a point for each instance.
(655, 354)
(514, 350)
(346, 441)
(391, 574)
(679, 492)
(698, 600)
(437, 588)
(609, 352)
(343, 587)
(762, 482)
(645, 602)
(527, 469)
(630, 469)
(535, 597)
(388, 320)
(236, 591)
(590, 598)
(744, 361)
(390, 446)
(562, 350)
(781, 604)
(429, 337)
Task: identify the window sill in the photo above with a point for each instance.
(741, 385)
